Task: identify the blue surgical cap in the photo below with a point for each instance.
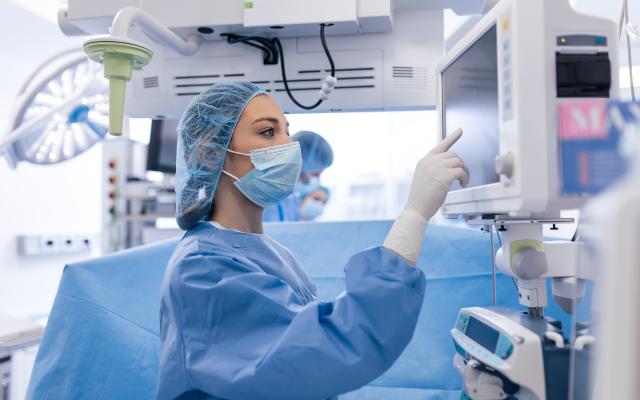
(317, 154)
(204, 133)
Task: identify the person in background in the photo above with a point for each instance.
(313, 202)
(317, 156)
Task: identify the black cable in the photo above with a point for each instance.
(256, 45)
(286, 84)
(264, 44)
(284, 73)
(326, 50)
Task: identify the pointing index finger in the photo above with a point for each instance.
(447, 142)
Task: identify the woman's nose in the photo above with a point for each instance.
(284, 139)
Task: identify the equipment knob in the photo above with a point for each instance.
(504, 165)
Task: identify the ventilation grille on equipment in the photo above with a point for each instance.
(151, 82)
(192, 85)
(410, 77)
(306, 80)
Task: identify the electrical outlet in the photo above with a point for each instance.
(30, 245)
(48, 244)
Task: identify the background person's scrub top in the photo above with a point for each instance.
(285, 210)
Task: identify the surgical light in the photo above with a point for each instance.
(61, 112)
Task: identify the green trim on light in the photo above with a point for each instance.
(119, 60)
(522, 244)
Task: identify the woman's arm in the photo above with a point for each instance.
(434, 175)
(246, 335)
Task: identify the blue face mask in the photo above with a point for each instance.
(304, 188)
(311, 209)
(276, 170)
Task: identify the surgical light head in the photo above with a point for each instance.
(60, 112)
(204, 133)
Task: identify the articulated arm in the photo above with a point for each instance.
(120, 55)
(525, 256)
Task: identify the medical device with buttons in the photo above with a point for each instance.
(505, 85)
(504, 353)
(529, 86)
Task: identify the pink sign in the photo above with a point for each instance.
(582, 119)
(583, 168)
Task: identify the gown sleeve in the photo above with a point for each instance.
(247, 335)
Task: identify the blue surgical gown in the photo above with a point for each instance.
(239, 319)
(285, 210)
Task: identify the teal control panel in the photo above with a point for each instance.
(481, 340)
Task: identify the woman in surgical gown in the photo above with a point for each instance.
(239, 317)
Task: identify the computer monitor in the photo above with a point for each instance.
(510, 84)
(161, 155)
(470, 101)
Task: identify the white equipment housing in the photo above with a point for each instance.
(612, 230)
(296, 18)
(528, 86)
(616, 218)
(375, 71)
(385, 57)
(515, 351)
(517, 165)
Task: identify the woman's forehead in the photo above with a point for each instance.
(263, 107)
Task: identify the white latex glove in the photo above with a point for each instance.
(434, 175)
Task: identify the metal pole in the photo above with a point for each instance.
(493, 266)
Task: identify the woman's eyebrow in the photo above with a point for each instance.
(270, 119)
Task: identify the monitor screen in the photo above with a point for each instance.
(470, 102)
(162, 146)
(482, 334)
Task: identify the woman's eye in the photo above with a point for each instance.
(267, 132)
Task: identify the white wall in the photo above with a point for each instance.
(33, 200)
(375, 154)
